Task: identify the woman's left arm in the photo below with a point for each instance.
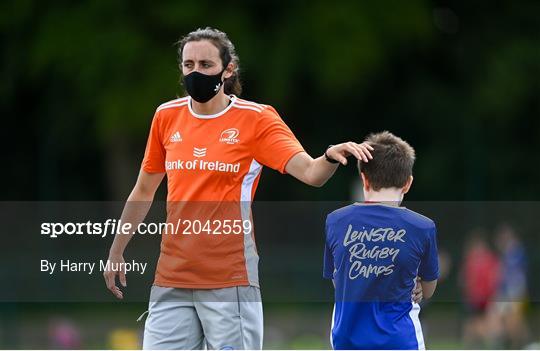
(316, 172)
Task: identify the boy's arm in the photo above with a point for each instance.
(328, 258)
(428, 271)
(428, 288)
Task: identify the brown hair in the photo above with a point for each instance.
(227, 53)
(392, 163)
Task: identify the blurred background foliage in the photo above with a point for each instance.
(460, 81)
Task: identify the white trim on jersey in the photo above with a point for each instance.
(245, 102)
(250, 253)
(171, 106)
(245, 107)
(196, 115)
(413, 314)
(332, 326)
(249, 179)
(181, 99)
(175, 101)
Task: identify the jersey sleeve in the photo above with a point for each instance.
(328, 261)
(154, 155)
(275, 142)
(429, 264)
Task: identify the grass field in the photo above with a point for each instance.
(287, 326)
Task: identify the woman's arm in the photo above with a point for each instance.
(135, 210)
(317, 171)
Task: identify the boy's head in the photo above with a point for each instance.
(391, 166)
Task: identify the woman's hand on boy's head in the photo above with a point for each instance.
(340, 152)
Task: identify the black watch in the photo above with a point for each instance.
(331, 160)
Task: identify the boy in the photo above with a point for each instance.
(374, 252)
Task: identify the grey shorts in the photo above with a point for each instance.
(228, 318)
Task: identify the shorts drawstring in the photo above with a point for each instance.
(141, 316)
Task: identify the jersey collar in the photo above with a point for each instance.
(196, 115)
(386, 203)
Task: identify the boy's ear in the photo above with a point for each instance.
(408, 185)
(365, 181)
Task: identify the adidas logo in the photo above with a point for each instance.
(199, 152)
(175, 138)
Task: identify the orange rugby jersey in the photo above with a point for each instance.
(213, 164)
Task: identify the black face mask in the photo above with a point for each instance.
(202, 87)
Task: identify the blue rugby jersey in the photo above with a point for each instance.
(374, 252)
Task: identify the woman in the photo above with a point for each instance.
(212, 146)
